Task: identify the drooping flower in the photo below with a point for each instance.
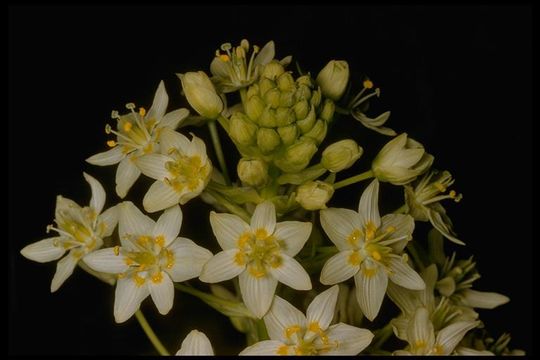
(80, 231)
(196, 343)
(260, 254)
(137, 134)
(293, 333)
(150, 258)
(369, 249)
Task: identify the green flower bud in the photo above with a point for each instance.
(242, 130)
(318, 131)
(301, 109)
(201, 94)
(303, 92)
(304, 80)
(252, 91)
(341, 155)
(284, 116)
(297, 156)
(288, 134)
(287, 99)
(285, 82)
(253, 172)
(314, 195)
(254, 107)
(333, 79)
(267, 140)
(268, 118)
(265, 85)
(316, 97)
(271, 97)
(328, 110)
(272, 70)
(306, 124)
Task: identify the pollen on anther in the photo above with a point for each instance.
(224, 57)
(368, 84)
(142, 111)
(128, 126)
(111, 143)
(116, 250)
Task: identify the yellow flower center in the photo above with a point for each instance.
(259, 250)
(304, 340)
(187, 171)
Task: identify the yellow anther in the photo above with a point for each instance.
(314, 327)
(438, 349)
(369, 272)
(239, 258)
(121, 276)
(355, 258)
(354, 237)
(283, 350)
(142, 111)
(160, 240)
(143, 239)
(157, 277)
(243, 239)
(440, 186)
(224, 57)
(111, 143)
(128, 261)
(148, 148)
(257, 271)
(452, 194)
(376, 255)
(368, 84)
(390, 229)
(419, 344)
(291, 330)
(128, 126)
(170, 259)
(276, 261)
(139, 281)
(116, 250)
(261, 234)
(370, 231)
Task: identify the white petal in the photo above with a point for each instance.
(197, 148)
(351, 340)
(291, 273)
(368, 208)
(168, 224)
(403, 275)
(408, 157)
(266, 54)
(132, 221)
(196, 343)
(438, 223)
(174, 118)
(407, 300)
(170, 139)
(127, 299)
(420, 329)
(449, 337)
(223, 266)
(160, 196)
(219, 68)
(109, 219)
(338, 224)
(98, 194)
(44, 250)
(294, 234)
(321, 309)
(64, 269)
(265, 347)
(159, 105)
(257, 293)
(107, 261)
(370, 290)
(482, 299)
(162, 292)
(402, 226)
(153, 166)
(399, 326)
(126, 175)
(338, 268)
(227, 228)
(189, 259)
(109, 157)
(282, 315)
(264, 217)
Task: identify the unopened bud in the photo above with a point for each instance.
(297, 156)
(314, 195)
(267, 140)
(333, 79)
(288, 134)
(254, 107)
(242, 130)
(341, 155)
(272, 70)
(201, 94)
(253, 172)
(327, 112)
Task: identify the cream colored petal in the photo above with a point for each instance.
(438, 223)
(108, 221)
(160, 196)
(223, 266)
(420, 329)
(197, 148)
(189, 259)
(127, 299)
(408, 157)
(449, 337)
(109, 157)
(264, 217)
(351, 340)
(108, 260)
(132, 221)
(282, 315)
(266, 347)
(407, 300)
(168, 224)
(126, 175)
(368, 208)
(98, 194)
(174, 118)
(161, 290)
(370, 290)
(44, 250)
(338, 268)
(400, 227)
(294, 235)
(257, 293)
(64, 269)
(219, 68)
(170, 139)
(291, 273)
(159, 105)
(403, 275)
(227, 229)
(399, 327)
(482, 299)
(266, 54)
(153, 166)
(338, 224)
(321, 309)
(196, 343)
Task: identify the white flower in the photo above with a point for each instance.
(137, 134)
(293, 333)
(81, 230)
(182, 171)
(196, 343)
(150, 259)
(260, 254)
(313, 195)
(368, 250)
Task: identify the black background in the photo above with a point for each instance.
(457, 79)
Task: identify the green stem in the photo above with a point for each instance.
(354, 179)
(416, 257)
(383, 335)
(243, 96)
(151, 334)
(219, 151)
(342, 111)
(401, 210)
(233, 208)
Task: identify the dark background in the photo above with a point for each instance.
(457, 79)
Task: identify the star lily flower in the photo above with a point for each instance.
(260, 254)
(150, 258)
(196, 343)
(369, 249)
(81, 230)
(137, 134)
(293, 333)
(182, 171)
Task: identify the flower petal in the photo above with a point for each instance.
(109, 157)
(407, 300)
(170, 139)
(174, 118)
(266, 54)
(368, 208)
(321, 309)
(126, 175)
(98, 194)
(291, 273)
(223, 266)
(189, 259)
(402, 226)
(264, 217)
(44, 250)
(482, 299)
(127, 299)
(133, 222)
(159, 105)
(257, 293)
(403, 275)
(420, 329)
(168, 224)
(282, 315)
(351, 340)
(339, 224)
(108, 220)
(371, 286)
(161, 289)
(107, 261)
(449, 337)
(338, 268)
(438, 223)
(197, 148)
(294, 234)
(227, 228)
(265, 347)
(196, 343)
(160, 196)
(64, 269)
(153, 166)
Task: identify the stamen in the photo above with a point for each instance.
(368, 84)
(115, 115)
(142, 111)
(224, 57)
(128, 126)
(376, 255)
(116, 250)
(130, 106)
(111, 143)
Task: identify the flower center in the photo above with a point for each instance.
(186, 171)
(309, 341)
(259, 250)
(134, 131)
(78, 230)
